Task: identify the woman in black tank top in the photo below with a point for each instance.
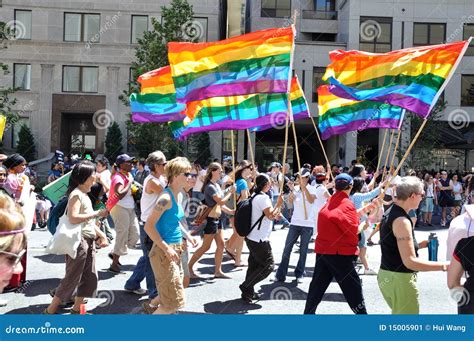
(400, 262)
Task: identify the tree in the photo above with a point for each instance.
(113, 142)
(152, 53)
(6, 102)
(26, 143)
(198, 148)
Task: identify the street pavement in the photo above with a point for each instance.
(221, 296)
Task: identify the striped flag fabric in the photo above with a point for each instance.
(257, 62)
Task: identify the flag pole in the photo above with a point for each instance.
(395, 151)
(233, 163)
(388, 154)
(252, 159)
(322, 146)
(381, 150)
(298, 159)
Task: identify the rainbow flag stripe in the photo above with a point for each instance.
(156, 101)
(257, 62)
(340, 115)
(259, 111)
(411, 78)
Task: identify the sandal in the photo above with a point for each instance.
(111, 256)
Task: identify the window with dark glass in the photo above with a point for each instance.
(82, 27)
(375, 34)
(468, 31)
(318, 73)
(80, 78)
(276, 8)
(428, 33)
(22, 24)
(139, 26)
(22, 76)
(467, 90)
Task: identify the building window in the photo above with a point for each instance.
(22, 76)
(318, 73)
(323, 9)
(323, 37)
(467, 90)
(428, 33)
(22, 24)
(82, 27)
(227, 143)
(375, 34)
(80, 78)
(276, 8)
(139, 26)
(468, 31)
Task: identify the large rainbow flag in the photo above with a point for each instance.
(156, 101)
(411, 78)
(257, 62)
(340, 115)
(259, 111)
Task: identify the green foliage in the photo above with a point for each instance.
(152, 53)
(26, 143)
(113, 142)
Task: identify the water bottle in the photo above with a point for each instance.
(433, 244)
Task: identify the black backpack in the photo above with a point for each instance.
(243, 217)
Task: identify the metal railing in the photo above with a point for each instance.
(325, 15)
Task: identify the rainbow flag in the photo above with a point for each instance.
(411, 78)
(340, 115)
(156, 101)
(259, 111)
(257, 62)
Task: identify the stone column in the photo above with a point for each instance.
(112, 89)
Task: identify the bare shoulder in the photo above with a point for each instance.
(163, 202)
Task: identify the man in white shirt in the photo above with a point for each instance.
(302, 225)
(461, 227)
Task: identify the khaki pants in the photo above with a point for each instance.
(80, 273)
(168, 276)
(126, 229)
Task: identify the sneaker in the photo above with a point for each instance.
(443, 224)
(370, 272)
(285, 226)
(299, 280)
(147, 308)
(139, 291)
(276, 279)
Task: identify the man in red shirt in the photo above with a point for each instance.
(336, 248)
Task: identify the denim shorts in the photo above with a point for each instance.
(428, 206)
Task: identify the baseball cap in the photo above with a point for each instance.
(276, 164)
(304, 172)
(122, 158)
(343, 181)
(321, 176)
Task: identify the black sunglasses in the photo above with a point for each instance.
(193, 175)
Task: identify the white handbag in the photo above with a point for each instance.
(66, 239)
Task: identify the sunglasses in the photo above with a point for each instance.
(193, 175)
(13, 258)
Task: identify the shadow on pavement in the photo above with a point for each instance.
(52, 259)
(235, 306)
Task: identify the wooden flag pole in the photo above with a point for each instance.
(322, 146)
(381, 151)
(394, 151)
(233, 163)
(299, 165)
(252, 159)
(284, 149)
(388, 154)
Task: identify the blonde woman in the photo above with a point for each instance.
(163, 228)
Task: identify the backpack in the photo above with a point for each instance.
(243, 217)
(56, 213)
